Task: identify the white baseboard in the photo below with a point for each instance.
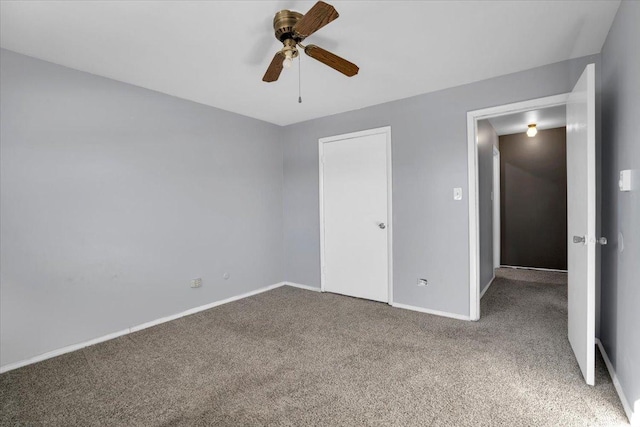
(486, 288)
(429, 311)
(393, 304)
(632, 413)
(203, 307)
(307, 287)
(61, 351)
(74, 347)
(517, 267)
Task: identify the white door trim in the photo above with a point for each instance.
(472, 171)
(382, 130)
(496, 208)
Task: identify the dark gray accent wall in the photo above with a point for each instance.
(429, 145)
(487, 139)
(533, 199)
(620, 295)
(113, 197)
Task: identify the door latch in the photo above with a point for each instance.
(583, 239)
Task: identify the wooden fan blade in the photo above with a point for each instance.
(317, 17)
(275, 68)
(334, 61)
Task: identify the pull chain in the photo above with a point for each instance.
(299, 80)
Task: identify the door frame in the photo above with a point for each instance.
(386, 130)
(496, 209)
(472, 174)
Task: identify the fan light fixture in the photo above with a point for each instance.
(532, 131)
(291, 28)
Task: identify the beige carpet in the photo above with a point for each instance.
(291, 357)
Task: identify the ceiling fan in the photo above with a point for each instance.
(291, 28)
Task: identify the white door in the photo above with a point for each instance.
(581, 221)
(355, 215)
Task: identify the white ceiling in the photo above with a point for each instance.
(547, 118)
(215, 53)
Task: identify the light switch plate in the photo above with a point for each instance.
(625, 180)
(457, 193)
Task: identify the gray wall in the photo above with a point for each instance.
(533, 199)
(487, 139)
(620, 296)
(429, 141)
(113, 197)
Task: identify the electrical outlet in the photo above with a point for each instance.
(196, 283)
(422, 282)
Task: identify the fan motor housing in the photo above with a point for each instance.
(283, 24)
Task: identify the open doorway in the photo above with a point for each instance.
(485, 248)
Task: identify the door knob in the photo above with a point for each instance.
(602, 241)
(382, 225)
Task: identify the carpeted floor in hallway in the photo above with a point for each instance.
(291, 357)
